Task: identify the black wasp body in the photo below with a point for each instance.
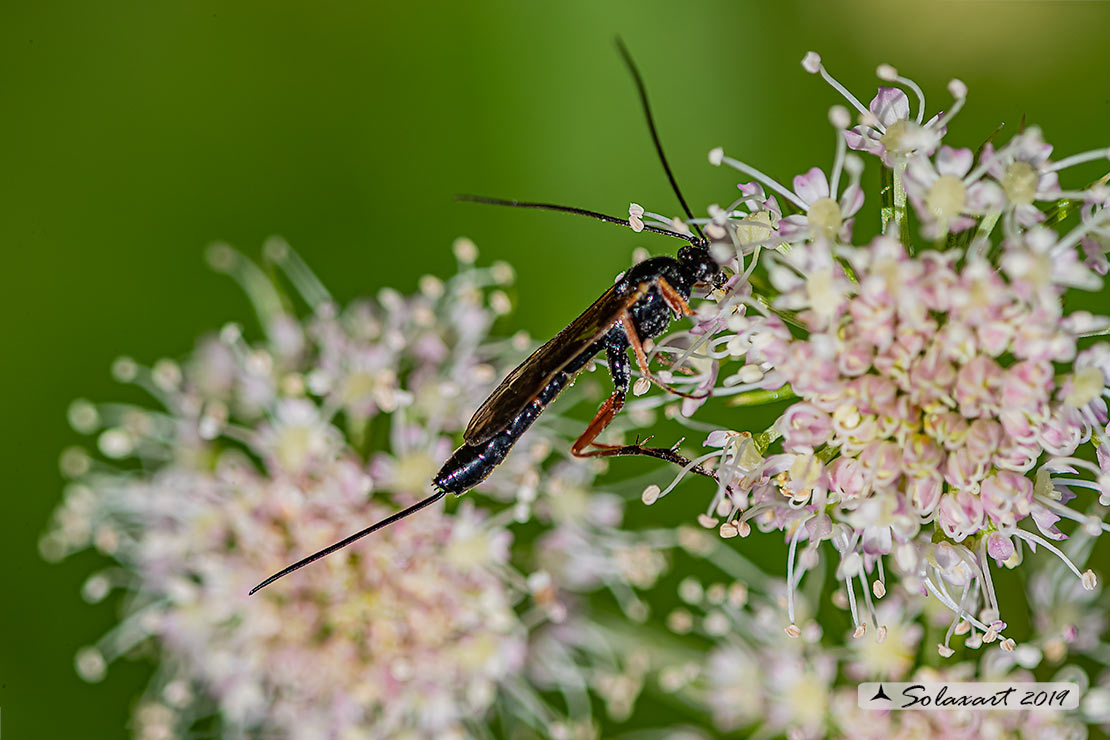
(640, 305)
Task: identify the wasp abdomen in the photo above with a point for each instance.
(472, 464)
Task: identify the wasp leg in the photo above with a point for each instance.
(677, 303)
(638, 346)
(660, 453)
(634, 340)
(616, 354)
(604, 416)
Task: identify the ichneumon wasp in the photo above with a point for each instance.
(639, 306)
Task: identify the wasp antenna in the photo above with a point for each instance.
(695, 240)
(655, 134)
(353, 538)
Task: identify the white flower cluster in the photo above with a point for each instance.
(943, 397)
(265, 451)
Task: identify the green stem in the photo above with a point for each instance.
(764, 439)
(758, 398)
(1059, 211)
(892, 195)
(987, 224)
(788, 317)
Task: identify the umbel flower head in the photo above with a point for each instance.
(946, 406)
(258, 456)
(750, 677)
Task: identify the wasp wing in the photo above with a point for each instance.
(523, 384)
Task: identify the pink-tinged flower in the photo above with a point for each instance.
(890, 133)
(1007, 498)
(1027, 384)
(924, 493)
(931, 383)
(298, 439)
(888, 129)
(875, 394)
(1063, 432)
(1039, 271)
(824, 217)
(827, 212)
(962, 471)
(1000, 547)
(883, 462)
(759, 225)
(983, 438)
(948, 428)
(805, 428)
(922, 456)
(1096, 241)
(944, 200)
(848, 478)
(1024, 172)
(960, 515)
(1046, 520)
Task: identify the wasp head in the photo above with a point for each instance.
(701, 265)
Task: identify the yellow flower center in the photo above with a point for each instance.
(847, 415)
(1086, 385)
(901, 137)
(413, 471)
(294, 446)
(821, 289)
(1020, 183)
(824, 216)
(468, 553)
(946, 198)
(754, 232)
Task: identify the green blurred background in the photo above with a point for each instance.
(134, 134)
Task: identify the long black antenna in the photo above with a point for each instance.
(353, 538)
(695, 240)
(655, 134)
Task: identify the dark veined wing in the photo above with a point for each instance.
(525, 382)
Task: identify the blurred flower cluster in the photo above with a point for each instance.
(729, 657)
(939, 402)
(264, 451)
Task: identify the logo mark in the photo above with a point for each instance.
(880, 694)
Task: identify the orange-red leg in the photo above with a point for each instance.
(612, 405)
(602, 419)
(634, 340)
(677, 303)
(638, 346)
